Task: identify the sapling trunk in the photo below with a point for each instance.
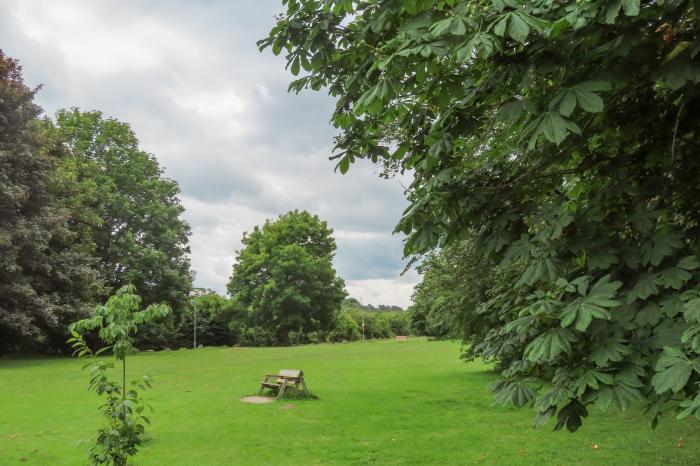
(124, 379)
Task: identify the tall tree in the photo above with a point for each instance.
(284, 275)
(123, 207)
(561, 136)
(47, 279)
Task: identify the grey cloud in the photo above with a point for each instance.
(368, 259)
(297, 122)
(210, 180)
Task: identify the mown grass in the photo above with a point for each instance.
(384, 403)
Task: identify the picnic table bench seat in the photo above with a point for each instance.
(283, 379)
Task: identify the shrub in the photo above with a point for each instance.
(255, 336)
(316, 337)
(295, 338)
(346, 328)
(212, 321)
(400, 323)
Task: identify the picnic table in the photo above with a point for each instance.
(283, 379)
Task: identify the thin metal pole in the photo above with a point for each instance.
(194, 304)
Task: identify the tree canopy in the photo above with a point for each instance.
(123, 208)
(47, 279)
(83, 212)
(560, 138)
(284, 275)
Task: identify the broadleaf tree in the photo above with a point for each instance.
(284, 276)
(558, 136)
(123, 207)
(47, 277)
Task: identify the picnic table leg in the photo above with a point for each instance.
(262, 386)
(303, 384)
(281, 390)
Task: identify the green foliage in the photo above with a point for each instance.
(673, 370)
(218, 321)
(456, 299)
(118, 320)
(379, 322)
(124, 210)
(47, 278)
(560, 140)
(346, 328)
(123, 408)
(255, 336)
(450, 302)
(284, 276)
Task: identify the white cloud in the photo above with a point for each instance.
(359, 235)
(390, 291)
(222, 107)
(94, 40)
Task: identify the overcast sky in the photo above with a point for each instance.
(215, 112)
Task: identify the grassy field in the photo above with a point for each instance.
(379, 403)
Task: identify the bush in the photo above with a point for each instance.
(315, 337)
(255, 336)
(376, 324)
(380, 322)
(160, 334)
(212, 328)
(346, 328)
(400, 323)
(295, 338)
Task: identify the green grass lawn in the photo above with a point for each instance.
(379, 403)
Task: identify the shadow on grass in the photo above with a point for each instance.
(289, 394)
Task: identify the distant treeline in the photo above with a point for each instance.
(368, 307)
(220, 321)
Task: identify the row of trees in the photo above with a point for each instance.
(83, 211)
(554, 143)
(220, 321)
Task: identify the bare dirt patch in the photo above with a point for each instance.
(258, 400)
